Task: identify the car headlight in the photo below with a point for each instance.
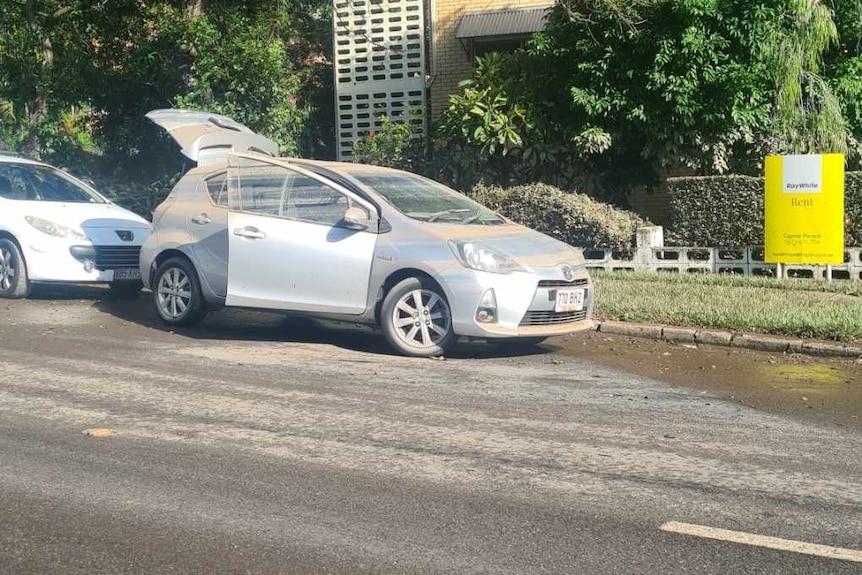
(475, 256)
(53, 229)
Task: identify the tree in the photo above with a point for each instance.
(484, 126)
(842, 67)
(674, 85)
(253, 59)
(34, 34)
(633, 90)
(808, 113)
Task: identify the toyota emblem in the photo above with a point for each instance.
(568, 273)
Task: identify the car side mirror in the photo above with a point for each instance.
(356, 219)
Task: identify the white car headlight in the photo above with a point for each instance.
(53, 229)
(475, 256)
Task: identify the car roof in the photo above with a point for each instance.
(343, 167)
(13, 158)
(342, 173)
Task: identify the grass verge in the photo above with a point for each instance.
(799, 308)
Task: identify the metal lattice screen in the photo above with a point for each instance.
(379, 66)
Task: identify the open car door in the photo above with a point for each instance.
(208, 138)
(296, 241)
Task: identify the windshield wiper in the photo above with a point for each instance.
(450, 212)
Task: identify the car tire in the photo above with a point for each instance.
(126, 289)
(177, 293)
(400, 318)
(14, 282)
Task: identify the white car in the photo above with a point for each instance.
(55, 228)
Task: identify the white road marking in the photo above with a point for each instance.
(763, 541)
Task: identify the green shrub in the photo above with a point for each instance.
(394, 145)
(728, 210)
(573, 218)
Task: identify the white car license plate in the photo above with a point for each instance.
(127, 274)
(570, 300)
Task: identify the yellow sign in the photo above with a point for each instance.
(804, 207)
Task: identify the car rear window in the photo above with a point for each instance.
(42, 184)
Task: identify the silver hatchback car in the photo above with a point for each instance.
(349, 242)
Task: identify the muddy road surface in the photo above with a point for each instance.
(256, 444)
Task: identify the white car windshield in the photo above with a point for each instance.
(423, 199)
(35, 183)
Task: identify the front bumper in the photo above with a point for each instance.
(60, 260)
(525, 302)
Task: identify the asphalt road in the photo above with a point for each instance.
(254, 445)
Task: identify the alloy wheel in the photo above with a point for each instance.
(422, 319)
(174, 293)
(7, 269)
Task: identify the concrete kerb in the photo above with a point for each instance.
(713, 337)
(726, 338)
(679, 334)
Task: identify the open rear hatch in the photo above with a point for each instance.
(207, 138)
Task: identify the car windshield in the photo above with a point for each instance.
(426, 200)
(42, 184)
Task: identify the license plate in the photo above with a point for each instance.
(127, 274)
(570, 300)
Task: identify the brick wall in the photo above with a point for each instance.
(452, 62)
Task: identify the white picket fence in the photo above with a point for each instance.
(651, 254)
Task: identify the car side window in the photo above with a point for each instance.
(263, 189)
(259, 187)
(217, 189)
(313, 201)
(12, 186)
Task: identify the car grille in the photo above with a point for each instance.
(552, 317)
(115, 257)
(563, 284)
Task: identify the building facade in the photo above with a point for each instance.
(403, 58)
(463, 30)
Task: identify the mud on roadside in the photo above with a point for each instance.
(807, 388)
(824, 390)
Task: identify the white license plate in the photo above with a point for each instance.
(127, 274)
(570, 300)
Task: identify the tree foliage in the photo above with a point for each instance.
(496, 130)
(808, 113)
(676, 85)
(484, 127)
(394, 145)
(842, 67)
(631, 90)
(73, 66)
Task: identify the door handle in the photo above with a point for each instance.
(249, 232)
(201, 219)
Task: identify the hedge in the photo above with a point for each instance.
(573, 218)
(728, 210)
(716, 211)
